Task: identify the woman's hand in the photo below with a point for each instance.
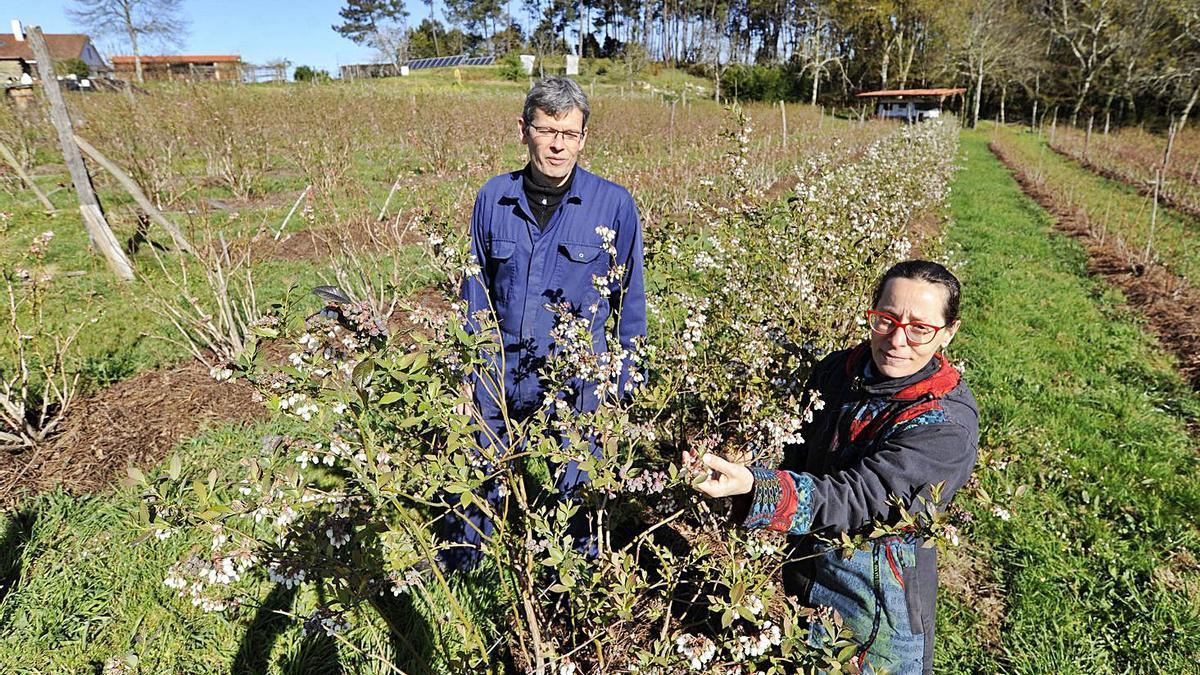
(724, 479)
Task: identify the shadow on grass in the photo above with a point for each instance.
(17, 533)
(410, 635)
(254, 652)
(411, 639)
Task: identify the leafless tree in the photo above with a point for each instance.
(817, 46)
(1091, 33)
(134, 20)
(390, 42)
(988, 38)
(1183, 72)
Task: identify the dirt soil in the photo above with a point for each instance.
(969, 581)
(321, 243)
(1169, 303)
(136, 421)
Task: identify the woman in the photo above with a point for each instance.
(897, 420)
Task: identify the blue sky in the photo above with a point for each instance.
(259, 30)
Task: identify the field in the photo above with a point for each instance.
(204, 439)
(1142, 160)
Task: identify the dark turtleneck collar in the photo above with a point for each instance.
(543, 200)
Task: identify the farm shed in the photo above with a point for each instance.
(215, 67)
(910, 105)
(16, 57)
(354, 71)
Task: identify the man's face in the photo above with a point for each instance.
(553, 154)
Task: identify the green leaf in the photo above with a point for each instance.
(847, 652)
(420, 361)
(390, 397)
(201, 494)
(362, 372)
(136, 474)
(176, 467)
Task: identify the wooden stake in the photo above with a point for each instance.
(671, 133)
(1087, 140)
(12, 161)
(386, 202)
(134, 191)
(288, 217)
(783, 114)
(99, 232)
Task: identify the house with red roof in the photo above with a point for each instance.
(16, 56)
(911, 105)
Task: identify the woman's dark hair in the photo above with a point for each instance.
(930, 272)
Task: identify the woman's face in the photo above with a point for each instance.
(910, 300)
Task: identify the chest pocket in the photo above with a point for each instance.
(501, 269)
(575, 266)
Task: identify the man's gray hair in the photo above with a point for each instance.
(555, 96)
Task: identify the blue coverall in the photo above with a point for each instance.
(525, 269)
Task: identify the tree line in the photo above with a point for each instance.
(1122, 61)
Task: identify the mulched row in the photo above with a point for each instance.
(1143, 188)
(136, 421)
(1169, 302)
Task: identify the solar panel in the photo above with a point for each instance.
(450, 61)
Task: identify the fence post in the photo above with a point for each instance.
(100, 234)
(1087, 140)
(783, 114)
(134, 191)
(12, 161)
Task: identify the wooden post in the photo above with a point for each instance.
(305, 193)
(1087, 140)
(136, 192)
(783, 114)
(100, 234)
(12, 161)
(671, 133)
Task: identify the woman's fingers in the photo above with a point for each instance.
(719, 463)
(724, 478)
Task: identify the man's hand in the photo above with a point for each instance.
(724, 479)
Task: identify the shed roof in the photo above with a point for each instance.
(197, 59)
(62, 46)
(911, 92)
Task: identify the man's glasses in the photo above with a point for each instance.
(917, 333)
(550, 133)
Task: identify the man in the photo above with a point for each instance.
(543, 236)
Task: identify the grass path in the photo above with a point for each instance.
(1108, 203)
(1097, 564)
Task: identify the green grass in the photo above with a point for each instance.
(1090, 416)
(1174, 237)
(79, 592)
